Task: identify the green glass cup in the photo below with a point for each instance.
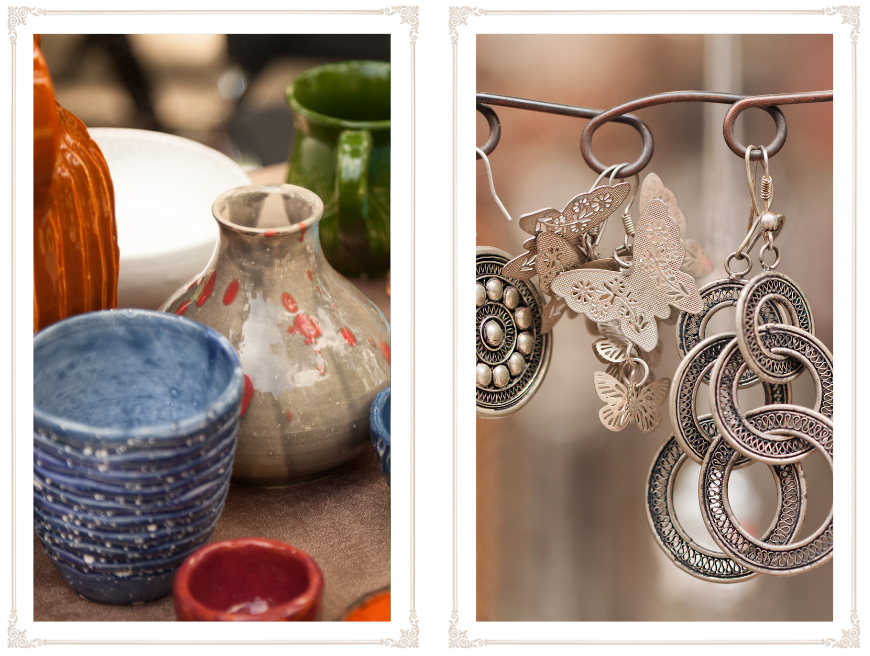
(341, 152)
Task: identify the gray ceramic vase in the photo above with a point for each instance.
(314, 350)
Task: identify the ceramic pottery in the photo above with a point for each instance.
(374, 607)
(380, 423)
(246, 580)
(314, 350)
(341, 151)
(134, 430)
(75, 243)
(164, 188)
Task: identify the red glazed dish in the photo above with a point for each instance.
(249, 579)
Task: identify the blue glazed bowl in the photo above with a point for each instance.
(380, 427)
(120, 394)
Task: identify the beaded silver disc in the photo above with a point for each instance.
(513, 354)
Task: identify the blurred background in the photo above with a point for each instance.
(562, 532)
(223, 90)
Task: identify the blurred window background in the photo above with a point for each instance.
(562, 532)
(223, 90)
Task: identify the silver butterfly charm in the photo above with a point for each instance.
(581, 214)
(612, 348)
(642, 292)
(633, 404)
(695, 262)
(553, 248)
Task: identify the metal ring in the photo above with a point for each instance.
(764, 249)
(574, 112)
(634, 369)
(664, 98)
(737, 274)
(622, 263)
(494, 128)
(768, 103)
(755, 155)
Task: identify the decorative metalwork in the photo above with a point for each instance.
(779, 433)
(695, 263)
(635, 403)
(686, 553)
(580, 215)
(645, 290)
(782, 559)
(513, 353)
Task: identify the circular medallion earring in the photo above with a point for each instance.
(513, 352)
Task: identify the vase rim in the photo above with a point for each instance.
(275, 188)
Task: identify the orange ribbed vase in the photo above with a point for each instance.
(75, 240)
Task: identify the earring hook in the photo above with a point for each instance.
(485, 159)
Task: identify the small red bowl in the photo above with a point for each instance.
(248, 580)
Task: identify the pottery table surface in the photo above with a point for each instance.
(342, 521)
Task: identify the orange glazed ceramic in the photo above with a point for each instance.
(373, 608)
(75, 240)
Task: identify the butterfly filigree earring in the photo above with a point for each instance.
(565, 240)
(629, 401)
(624, 302)
(635, 296)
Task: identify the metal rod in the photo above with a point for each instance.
(662, 99)
(764, 102)
(620, 114)
(486, 99)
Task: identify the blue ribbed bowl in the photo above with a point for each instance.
(116, 393)
(380, 427)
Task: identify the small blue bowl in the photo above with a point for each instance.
(116, 391)
(379, 420)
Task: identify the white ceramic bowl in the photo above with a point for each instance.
(164, 189)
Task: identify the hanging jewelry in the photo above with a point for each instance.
(643, 291)
(779, 433)
(695, 263)
(565, 240)
(632, 403)
(513, 353)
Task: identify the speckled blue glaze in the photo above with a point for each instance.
(132, 492)
(140, 476)
(380, 425)
(109, 589)
(128, 523)
(134, 423)
(140, 538)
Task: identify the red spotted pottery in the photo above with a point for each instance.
(313, 348)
